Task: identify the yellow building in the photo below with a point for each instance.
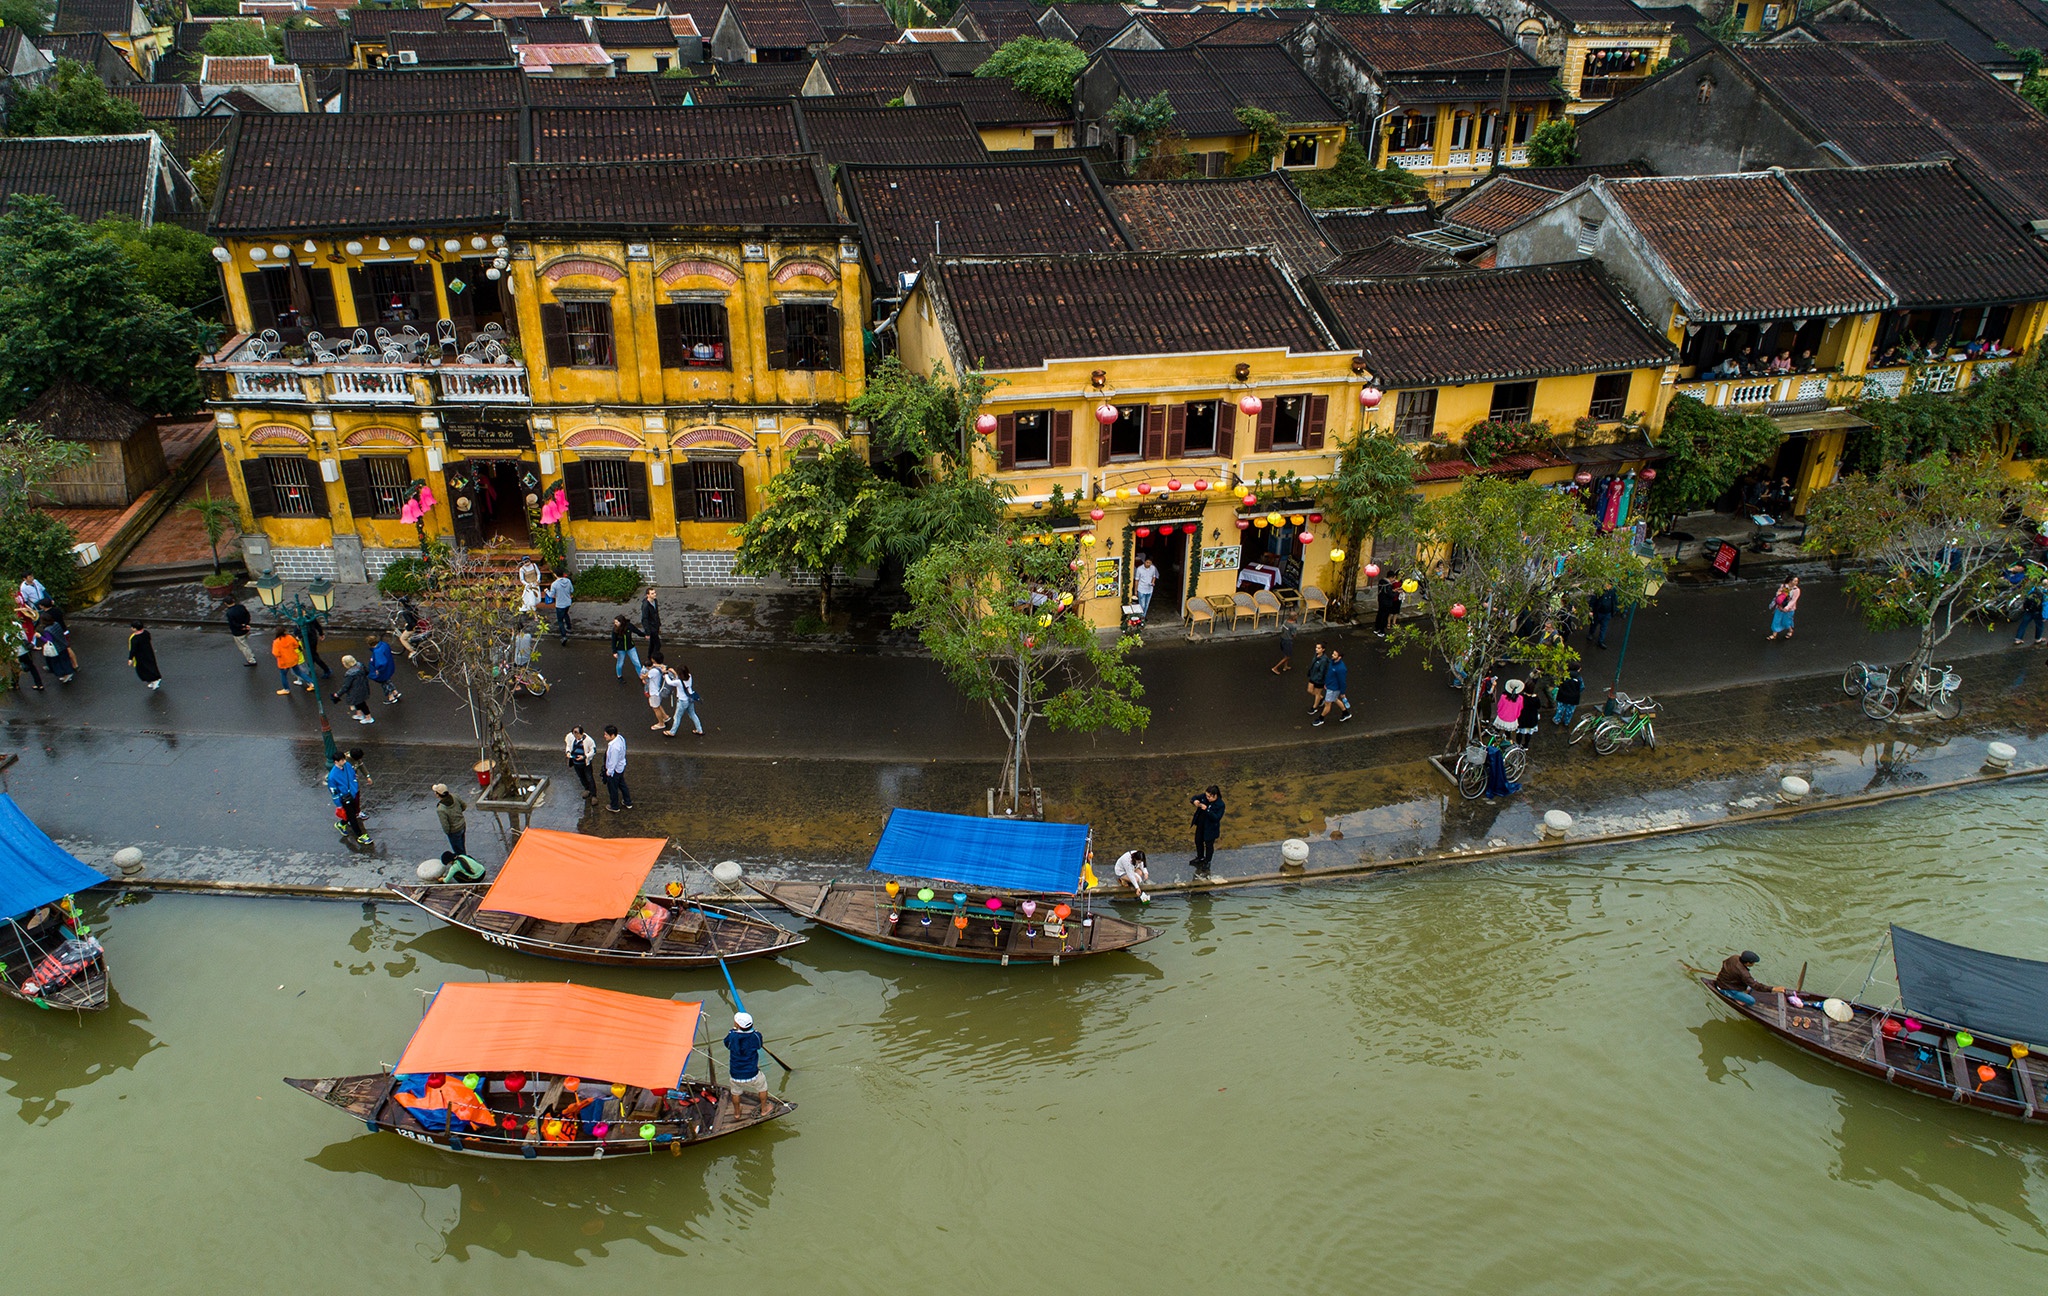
(1601, 49)
(653, 340)
(1007, 119)
(1207, 86)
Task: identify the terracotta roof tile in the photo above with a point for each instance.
(783, 78)
(1928, 234)
(452, 47)
(323, 171)
(776, 24)
(784, 191)
(536, 57)
(889, 74)
(1402, 42)
(371, 26)
(1394, 256)
(442, 90)
(846, 133)
(989, 101)
(244, 70)
(1258, 211)
(1497, 204)
(316, 45)
(1352, 229)
(991, 207)
(1605, 13)
(627, 91)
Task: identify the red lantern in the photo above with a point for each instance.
(1105, 413)
(1372, 571)
(986, 425)
(1173, 483)
(515, 1082)
(1192, 528)
(1095, 514)
(1244, 524)
(1369, 396)
(1142, 532)
(1251, 405)
(1060, 912)
(1307, 537)
(1583, 477)
(1201, 485)
(1648, 474)
(1144, 488)
(1250, 500)
(1458, 611)
(1315, 517)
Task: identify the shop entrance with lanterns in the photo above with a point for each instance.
(1168, 542)
(495, 491)
(1271, 552)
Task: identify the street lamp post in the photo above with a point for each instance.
(1650, 588)
(301, 611)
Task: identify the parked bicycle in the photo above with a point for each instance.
(415, 635)
(1617, 704)
(1637, 724)
(1933, 690)
(1867, 682)
(1471, 769)
(529, 680)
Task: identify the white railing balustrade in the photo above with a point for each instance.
(280, 384)
(485, 384)
(370, 386)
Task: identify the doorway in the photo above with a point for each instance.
(1169, 553)
(496, 492)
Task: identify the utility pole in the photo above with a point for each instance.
(1507, 81)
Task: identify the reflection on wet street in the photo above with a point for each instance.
(1493, 1079)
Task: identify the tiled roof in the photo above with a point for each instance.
(844, 133)
(1178, 30)
(553, 30)
(172, 100)
(371, 26)
(442, 90)
(628, 91)
(698, 91)
(93, 16)
(1910, 101)
(190, 33)
(88, 177)
(1742, 247)
(1928, 234)
(1977, 28)
(1264, 76)
(316, 45)
(237, 100)
(1354, 228)
(245, 70)
(776, 24)
(963, 58)
(92, 50)
(1564, 179)
(1497, 204)
(634, 33)
(322, 171)
(2022, 24)
(705, 13)
(989, 101)
(990, 207)
(836, 20)
(506, 8)
(1207, 84)
(540, 58)
(1394, 256)
(1604, 13)
(1844, 29)
(190, 137)
(890, 74)
(931, 36)
(783, 78)
(782, 191)
(1082, 15)
(1256, 29)
(1257, 211)
(1489, 325)
(476, 48)
(657, 134)
(1018, 312)
(1001, 20)
(1400, 42)
(1526, 85)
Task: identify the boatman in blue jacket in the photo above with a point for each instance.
(347, 791)
(743, 1046)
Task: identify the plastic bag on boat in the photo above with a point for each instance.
(78, 951)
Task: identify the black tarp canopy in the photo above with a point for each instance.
(1996, 993)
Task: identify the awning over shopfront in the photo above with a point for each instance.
(1614, 454)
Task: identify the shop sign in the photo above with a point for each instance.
(489, 434)
(1109, 578)
(1222, 558)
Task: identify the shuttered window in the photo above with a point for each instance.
(377, 484)
(289, 487)
(1201, 428)
(1610, 397)
(692, 335)
(803, 335)
(1415, 414)
(711, 490)
(1033, 440)
(1290, 421)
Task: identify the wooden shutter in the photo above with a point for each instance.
(1227, 415)
(685, 490)
(831, 356)
(256, 483)
(637, 507)
(366, 301)
(262, 311)
(554, 332)
(576, 485)
(1176, 430)
(1062, 438)
(1318, 414)
(1006, 442)
(1155, 431)
(320, 287)
(668, 333)
(1102, 459)
(355, 480)
(775, 330)
(316, 490)
(1263, 437)
(424, 303)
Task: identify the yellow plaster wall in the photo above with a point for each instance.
(332, 257)
(1004, 139)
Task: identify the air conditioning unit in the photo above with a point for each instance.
(408, 56)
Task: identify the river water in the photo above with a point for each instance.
(1492, 1078)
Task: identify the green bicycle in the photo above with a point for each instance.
(1615, 732)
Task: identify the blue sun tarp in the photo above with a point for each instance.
(33, 869)
(1004, 854)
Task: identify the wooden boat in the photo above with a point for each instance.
(542, 1072)
(568, 896)
(1006, 899)
(1953, 1036)
(48, 955)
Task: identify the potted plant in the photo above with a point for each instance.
(216, 515)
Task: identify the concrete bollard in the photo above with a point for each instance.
(429, 870)
(726, 872)
(1293, 855)
(1556, 823)
(2000, 755)
(1793, 788)
(129, 860)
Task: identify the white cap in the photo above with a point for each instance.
(745, 1021)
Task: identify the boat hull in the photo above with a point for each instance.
(728, 936)
(1928, 1062)
(861, 912)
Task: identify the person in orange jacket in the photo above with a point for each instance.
(291, 662)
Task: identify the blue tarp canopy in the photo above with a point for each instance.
(33, 869)
(1003, 854)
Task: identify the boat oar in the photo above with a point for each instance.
(787, 1069)
(1800, 988)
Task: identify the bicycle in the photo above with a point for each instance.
(1471, 768)
(1617, 704)
(1615, 732)
(1933, 690)
(529, 680)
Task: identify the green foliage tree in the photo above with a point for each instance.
(34, 541)
(176, 264)
(29, 457)
(1001, 620)
(820, 514)
(1932, 538)
(2006, 412)
(218, 517)
(73, 306)
(1370, 494)
(1710, 452)
(205, 173)
(241, 39)
(1354, 182)
(213, 8)
(1520, 556)
(1268, 133)
(1554, 143)
(2035, 91)
(924, 425)
(1351, 6)
(476, 616)
(32, 16)
(1044, 69)
(73, 101)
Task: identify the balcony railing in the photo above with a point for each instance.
(281, 383)
(368, 386)
(253, 372)
(484, 384)
(1784, 394)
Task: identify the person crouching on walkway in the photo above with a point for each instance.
(1131, 872)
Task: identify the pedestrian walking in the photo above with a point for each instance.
(1387, 607)
(238, 630)
(620, 795)
(650, 621)
(355, 690)
(1318, 672)
(58, 654)
(315, 632)
(1146, 578)
(561, 597)
(1208, 824)
(2033, 612)
(26, 647)
(1601, 607)
(448, 810)
(1783, 605)
(1569, 690)
(655, 680)
(743, 1045)
(683, 692)
(384, 667)
(1131, 872)
(1286, 662)
(347, 792)
(1335, 679)
(142, 656)
(623, 650)
(32, 594)
(522, 644)
(529, 586)
(291, 663)
(581, 750)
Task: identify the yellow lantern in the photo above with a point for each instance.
(1336, 555)
(1273, 519)
(1259, 523)
(1045, 618)
(892, 888)
(1088, 539)
(1296, 518)
(1410, 585)
(1066, 599)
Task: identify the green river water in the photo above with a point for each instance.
(1490, 1079)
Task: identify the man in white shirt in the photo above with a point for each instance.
(1146, 576)
(1131, 872)
(32, 593)
(563, 594)
(581, 750)
(615, 769)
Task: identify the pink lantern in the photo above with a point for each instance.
(1308, 537)
(1076, 565)
(1583, 478)
(1250, 500)
(1105, 413)
(1028, 906)
(1369, 396)
(1648, 474)
(986, 425)
(1095, 514)
(1173, 483)
(1201, 485)
(1372, 571)
(1244, 524)
(409, 511)
(1251, 405)
(1144, 488)
(1458, 611)
(994, 903)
